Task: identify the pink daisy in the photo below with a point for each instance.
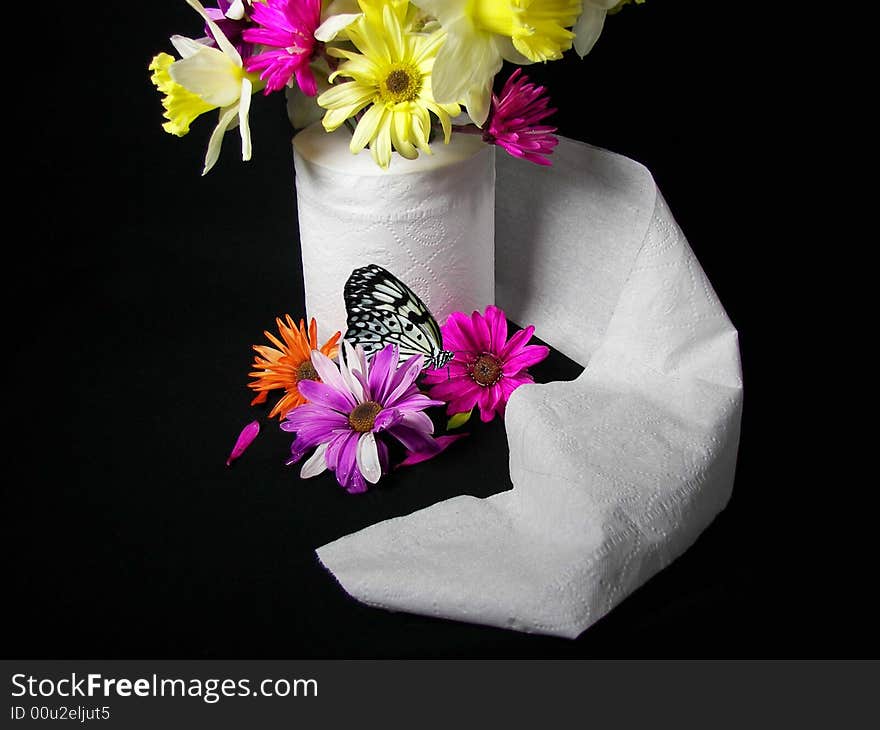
(288, 33)
(353, 408)
(514, 120)
(487, 367)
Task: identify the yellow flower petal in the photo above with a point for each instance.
(367, 127)
(181, 105)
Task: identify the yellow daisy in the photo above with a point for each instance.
(391, 80)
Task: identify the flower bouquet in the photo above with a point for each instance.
(397, 72)
(400, 76)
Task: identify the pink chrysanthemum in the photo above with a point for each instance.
(487, 367)
(514, 120)
(350, 410)
(288, 33)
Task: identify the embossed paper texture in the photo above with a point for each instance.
(614, 474)
(428, 221)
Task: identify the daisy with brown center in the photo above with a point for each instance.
(288, 363)
(390, 78)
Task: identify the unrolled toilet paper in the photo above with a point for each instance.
(614, 474)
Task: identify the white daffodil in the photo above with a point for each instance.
(216, 76)
(480, 36)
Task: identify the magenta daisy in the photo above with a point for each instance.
(487, 367)
(514, 120)
(350, 411)
(287, 30)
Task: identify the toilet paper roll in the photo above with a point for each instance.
(429, 221)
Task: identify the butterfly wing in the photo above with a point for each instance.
(383, 310)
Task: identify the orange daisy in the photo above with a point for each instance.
(290, 363)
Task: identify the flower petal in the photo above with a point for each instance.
(418, 421)
(330, 28)
(345, 365)
(227, 117)
(468, 58)
(210, 74)
(526, 357)
(480, 332)
(186, 47)
(315, 464)
(244, 106)
(412, 439)
(452, 388)
(458, 326)
(497, 322)
(324, 395)
(442, 443)
(367, 127)
(381, 372)
(346, 460)
(386, 419)
(517, 340)
(488, 400)
(368, 458)
(330, 376)
(508, 385)
(416, 400)
(465, 402)
(245, 439)
(588, 28)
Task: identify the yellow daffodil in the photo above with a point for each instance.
(482, 34)
(391, 80)
(206, 78)
(589, 26)
(181, 105)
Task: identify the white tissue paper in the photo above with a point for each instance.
(614, 474)
(429, 221)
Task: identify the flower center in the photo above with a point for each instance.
(306, 371)
(486, 370)
(362, 418)
(402, 83)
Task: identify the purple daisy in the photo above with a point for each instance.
(352, 407)
(487, 367)
(514, 120)
(287, 30)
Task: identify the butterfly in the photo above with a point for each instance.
(382, 310)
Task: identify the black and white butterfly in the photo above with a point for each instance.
(382, 310)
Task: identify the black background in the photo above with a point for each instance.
(137, 288)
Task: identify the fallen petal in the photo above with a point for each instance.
(443, 443)
(245, 439)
